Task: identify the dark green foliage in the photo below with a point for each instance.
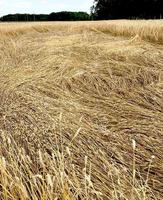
(68, 16)
(127, 9)
(59, 16)
(25, 17)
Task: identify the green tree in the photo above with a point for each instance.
(118, 9)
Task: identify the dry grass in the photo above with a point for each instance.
(81, 110)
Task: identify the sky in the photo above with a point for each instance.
(43, 6)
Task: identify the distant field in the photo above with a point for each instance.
(81, 110)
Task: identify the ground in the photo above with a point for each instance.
(81, 110)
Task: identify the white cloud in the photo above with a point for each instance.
(23, 4)
(2, 2)
(44, 1)
(43, 6)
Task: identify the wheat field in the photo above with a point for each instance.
(81, 110)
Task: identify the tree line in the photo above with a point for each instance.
(127, 9)
(101, 10)
(55, 16)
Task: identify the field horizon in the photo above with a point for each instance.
(81, 110)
